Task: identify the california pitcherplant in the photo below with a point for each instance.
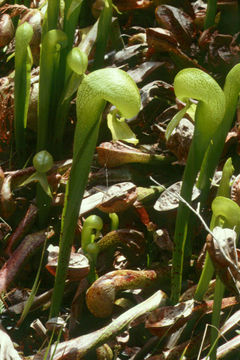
(225, 224)
(193, 83)
(226, 214)
(95, 90)
(56, 73)
(206, 146)
(91, 228)
(56, 45)
(231, 91)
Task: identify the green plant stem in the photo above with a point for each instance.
(71, 14)
(52, 14)
(103, 85)
(43, 203)
(73, 196)
(77, 62)
(217, 305)
(48, 63)
(181, 228)
(104, 26)
(208, 269)
(35, 287)
(223, 208)
(211, 14)
(205, 278)
(23, 64)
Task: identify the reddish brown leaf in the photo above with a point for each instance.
(28, 246)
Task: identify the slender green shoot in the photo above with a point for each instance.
(114, 221)
(231, 92)
(217, 306)
(52, 14)
(72, 10)
(49, 59)
(104, 26)
(208, 269)
(23, 64)
(210, 14)
(34, 288)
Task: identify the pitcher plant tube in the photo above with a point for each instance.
(231, 92)
(72, 10)
(100, 86)
(49, 61)
(223, 209)
(52, 14)
(196, 84)
(23, 64)
(104, 26)
(213, 153)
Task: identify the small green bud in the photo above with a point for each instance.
(77, 60)
(43, 161)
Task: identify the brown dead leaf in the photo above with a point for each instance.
(28, 246)
(179, 23)
(78, 266)
(169, 319)
(223, 253)
(126, 5)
